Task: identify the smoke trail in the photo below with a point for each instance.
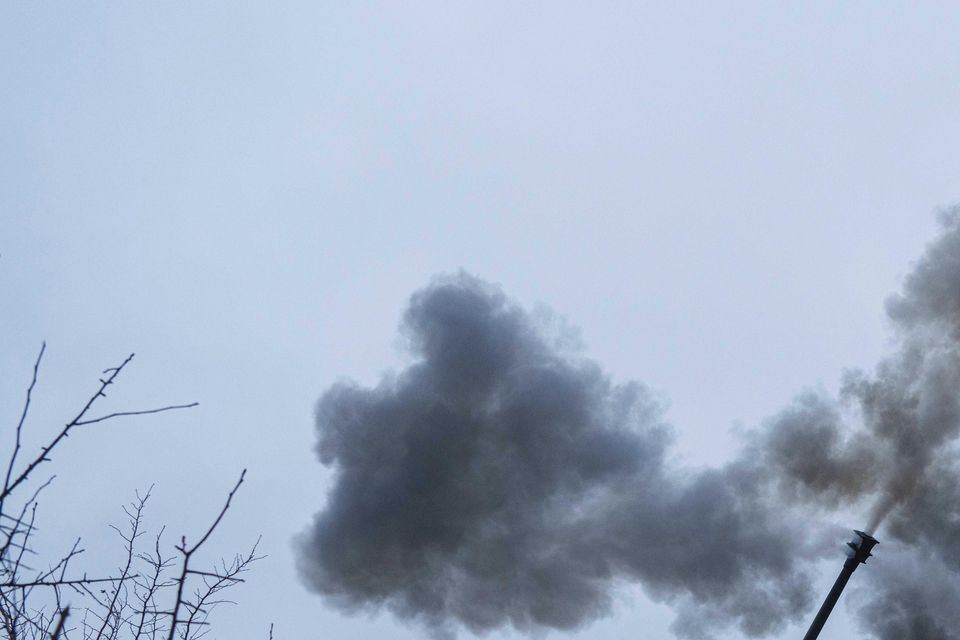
(504, 480)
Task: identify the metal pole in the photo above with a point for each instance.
(848, 568)
(861, 551)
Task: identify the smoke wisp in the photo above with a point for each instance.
(504, 480)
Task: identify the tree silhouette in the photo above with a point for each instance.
(152, 595)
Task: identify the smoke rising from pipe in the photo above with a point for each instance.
(900, 448)
(502, 479)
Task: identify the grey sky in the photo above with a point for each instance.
(246, 195)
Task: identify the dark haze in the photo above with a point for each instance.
(502, 479)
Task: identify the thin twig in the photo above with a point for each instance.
(188, 552)
(23, 418)
(135, 519)
(137, 413)
(77, 582)
(223, 512)
(210, 574)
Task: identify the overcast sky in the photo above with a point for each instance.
(246, 195)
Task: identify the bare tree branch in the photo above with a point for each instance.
(188, 552)
(120, 606)
(23, 418)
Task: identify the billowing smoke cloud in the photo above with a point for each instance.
(501, 480)
(504, 480)
(913, 596)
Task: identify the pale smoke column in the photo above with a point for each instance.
(504, 480)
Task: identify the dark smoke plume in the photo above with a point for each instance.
(912, 595)
(504, 480)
